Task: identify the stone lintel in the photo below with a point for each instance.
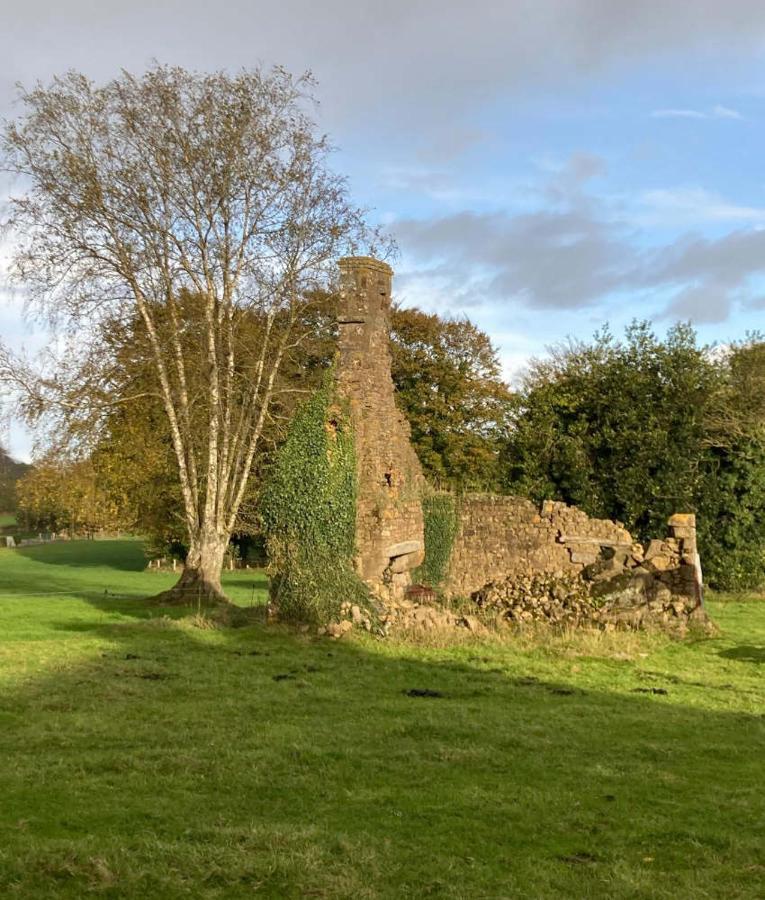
(406, 562)
(595, 541)
(402, 549)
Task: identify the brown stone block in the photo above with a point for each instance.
(687, 520)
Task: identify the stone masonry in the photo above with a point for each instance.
(389, 523)
(501, 536)
(625, 584)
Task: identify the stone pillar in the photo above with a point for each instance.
(389, 524)
(682, 527)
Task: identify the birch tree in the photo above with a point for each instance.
(131, 193)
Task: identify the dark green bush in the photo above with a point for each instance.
(640, 428)
(730, 515)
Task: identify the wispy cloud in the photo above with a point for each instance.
(716, 112)
(724, 112)
(677, 114)
(692, 206)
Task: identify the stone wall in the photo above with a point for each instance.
(659, 586)
(389, 524)
(499, 537)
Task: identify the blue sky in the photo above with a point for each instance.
(544, 166)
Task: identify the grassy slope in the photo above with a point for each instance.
(146, 758)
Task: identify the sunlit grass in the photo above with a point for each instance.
(143, 756)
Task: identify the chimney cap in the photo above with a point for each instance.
(365, 262)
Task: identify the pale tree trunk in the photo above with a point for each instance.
(200, 581)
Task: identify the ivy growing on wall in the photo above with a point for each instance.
(308, 510)
(441, 523)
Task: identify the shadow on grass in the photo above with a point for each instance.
(177, 761)
(123, 555)
(743, 653)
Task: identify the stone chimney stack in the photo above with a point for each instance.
(389, 524)
(365, 291)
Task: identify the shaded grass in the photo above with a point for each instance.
(146, 757)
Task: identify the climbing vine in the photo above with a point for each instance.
(308, 510)
(441, 524)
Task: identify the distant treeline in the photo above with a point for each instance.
(10, 472)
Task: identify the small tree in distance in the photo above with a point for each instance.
(147, 187)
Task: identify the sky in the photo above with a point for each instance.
(545, 166)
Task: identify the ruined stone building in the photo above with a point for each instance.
(499, 539)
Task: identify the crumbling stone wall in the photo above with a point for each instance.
(501, 537)
(389, 523)
(632, 587)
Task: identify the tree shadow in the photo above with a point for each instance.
(122, 555)
(750, 654)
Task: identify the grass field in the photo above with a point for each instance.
(142, 756)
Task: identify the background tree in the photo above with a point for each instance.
(143, 188)
(449, 385)
(10, 472)
(60, 495)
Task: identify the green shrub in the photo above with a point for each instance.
(730, 515)
(441, 523)
(308, 510)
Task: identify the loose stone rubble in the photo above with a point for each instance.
(401, 615)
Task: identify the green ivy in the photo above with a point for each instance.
(441, 524)
(308, 510)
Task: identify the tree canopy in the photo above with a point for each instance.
(449, 383)
(10, 472)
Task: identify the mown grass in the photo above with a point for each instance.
(142, 756)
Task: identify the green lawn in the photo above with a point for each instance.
(7, 519)
(144, 757)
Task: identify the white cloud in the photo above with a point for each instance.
(724, 112)
(585, 253)
(691, 206)
(423, 66)
(677, 114)
(716, 112)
